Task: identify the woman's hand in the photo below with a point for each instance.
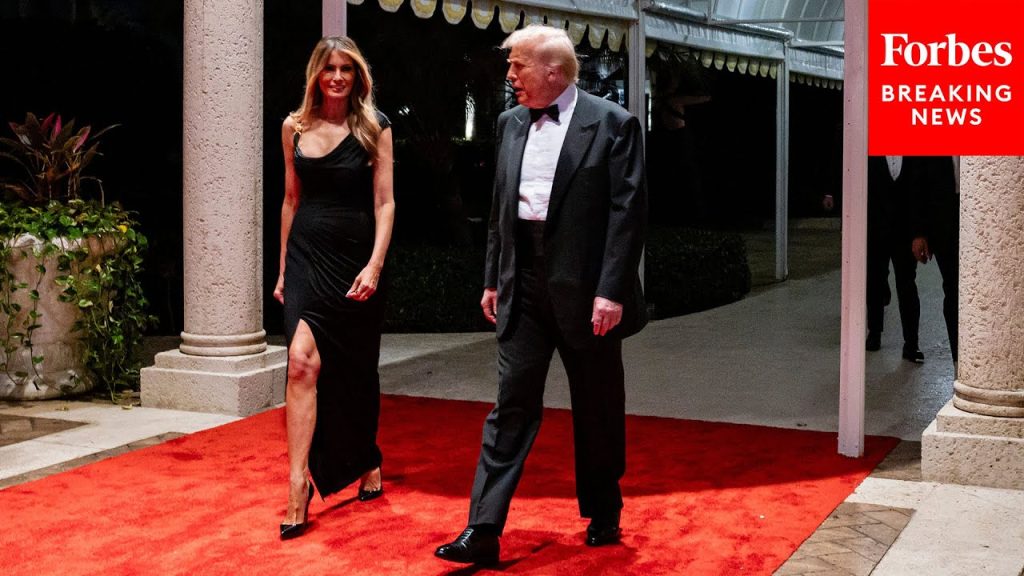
(279, 289)
(365, 284)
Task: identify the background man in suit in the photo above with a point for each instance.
(935, 223)
(889, 238)
(565, 239)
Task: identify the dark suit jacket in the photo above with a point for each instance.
(888, 199)
(597, 215)
(935, 201)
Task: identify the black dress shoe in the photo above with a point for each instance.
(914, 355)
(600, 534)
(874, 342)
(471, 547)
(289, 531)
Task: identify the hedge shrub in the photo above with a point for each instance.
(437, 289)
(691, 270)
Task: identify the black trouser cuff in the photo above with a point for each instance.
(486, 529)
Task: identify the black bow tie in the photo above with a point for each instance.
(551, 111)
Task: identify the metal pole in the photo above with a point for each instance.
(636, 45)
(334, 17)
(782, 168)
(636, 89)
(855, 231)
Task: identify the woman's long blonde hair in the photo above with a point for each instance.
(362, 117)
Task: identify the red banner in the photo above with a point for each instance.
(946, 77)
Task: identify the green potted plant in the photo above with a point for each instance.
(72, 309)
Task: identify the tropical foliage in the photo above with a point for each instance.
(53, 157)
(94, 246)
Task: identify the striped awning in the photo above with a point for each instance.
(595, 20)
(751, 49)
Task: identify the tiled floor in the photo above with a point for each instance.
(850, 542)
(14, 429)
(855, 536)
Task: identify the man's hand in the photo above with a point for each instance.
(489, 303)
(921, 251)
(606, 315)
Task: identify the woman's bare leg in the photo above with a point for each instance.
(300, 412)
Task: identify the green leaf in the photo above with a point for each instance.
(83, 303)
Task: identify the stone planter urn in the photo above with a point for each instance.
(47, 225)
(61, 371)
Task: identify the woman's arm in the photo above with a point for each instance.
(292, 192)
(365, 283)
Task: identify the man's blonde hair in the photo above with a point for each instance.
(550, 44)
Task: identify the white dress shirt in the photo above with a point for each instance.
(540, 158)
(895, 165)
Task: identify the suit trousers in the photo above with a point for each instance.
(881, 249)
(596, 387)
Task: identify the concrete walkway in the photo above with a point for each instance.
(770, 359)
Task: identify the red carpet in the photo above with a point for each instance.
(701, 498)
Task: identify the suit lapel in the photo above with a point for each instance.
(518, 128)
(578, 138)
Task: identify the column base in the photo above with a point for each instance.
(963, 448)
(237, 385)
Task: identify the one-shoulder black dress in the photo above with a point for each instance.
(330, 242)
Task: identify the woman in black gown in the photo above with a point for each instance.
(335, 229)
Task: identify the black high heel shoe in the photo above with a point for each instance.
(366, 495)
(289, 531)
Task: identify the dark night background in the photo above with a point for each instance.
(120, 61)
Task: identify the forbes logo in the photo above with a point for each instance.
(948, 53)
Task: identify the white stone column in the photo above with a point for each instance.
(978, 438)
(223, 364)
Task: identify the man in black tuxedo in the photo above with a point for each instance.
(889, 238)
(563, 251)
(935, 225)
